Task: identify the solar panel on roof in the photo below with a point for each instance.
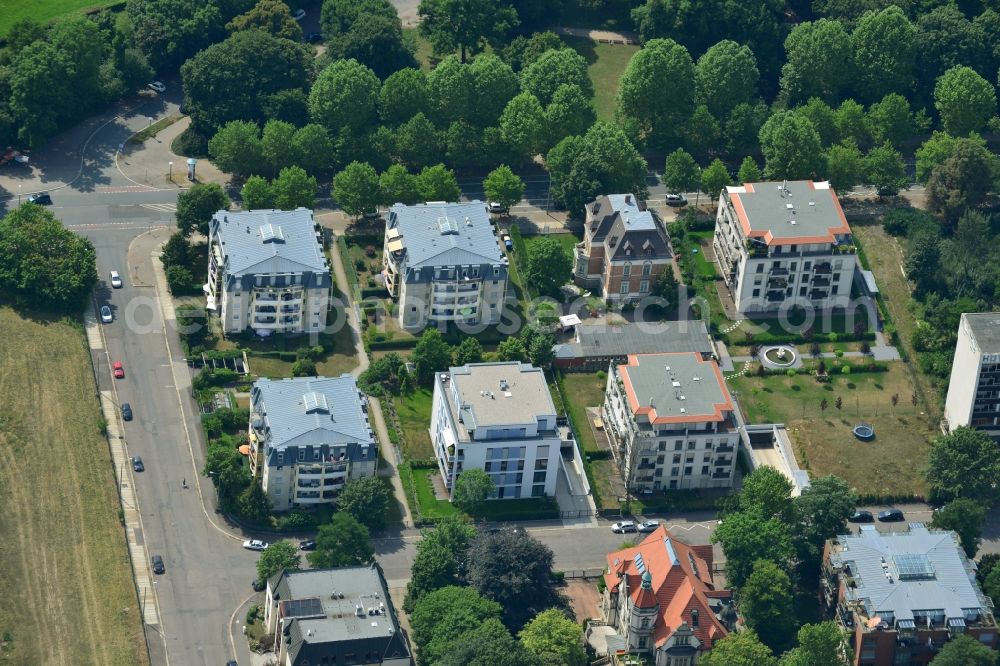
(913, 566)
(640, 564)
(310, 607)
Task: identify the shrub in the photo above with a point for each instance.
(296, 520)
(304, 367)
(602, 376)
(790, 372)
(845, 369)
(359, 265)
(370, 251)
(832, 337)
(253, 613)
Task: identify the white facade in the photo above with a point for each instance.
(787, 245)
(974, 389)
(696, 448)
(476, 425)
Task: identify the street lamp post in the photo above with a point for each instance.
(150, 122)
(19, 195)
(170, 171)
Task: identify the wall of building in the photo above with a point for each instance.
(964, 379)
(615, 275)
(417, 307)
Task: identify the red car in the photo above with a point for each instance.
(119, 369)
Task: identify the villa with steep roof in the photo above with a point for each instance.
(661, 599)
(267, 272)
(308, 437)
(625, 247)
(442, 263)
(783, 244)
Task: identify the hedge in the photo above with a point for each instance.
(280, 355)
(402, 343)
(374, 292)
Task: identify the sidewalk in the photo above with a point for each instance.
(607, 36)
(149, 163)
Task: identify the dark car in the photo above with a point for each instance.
(307, 545)
(862, 517)
(126, 411)
(232, 662)
(158, 567)
(891, 516)
(137, 464)
(42, 199)
(314, 37)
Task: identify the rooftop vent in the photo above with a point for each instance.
(315, 402)
(447, 225)
(504, 385)
(468, 221)
(683, 411)
(272, 233)
(628, 198)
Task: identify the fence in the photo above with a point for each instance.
(583, 573)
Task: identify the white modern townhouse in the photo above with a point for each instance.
(974, 389)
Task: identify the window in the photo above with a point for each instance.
(677, 458)
(802, 291)
(687, 471)
(836, 277)
(756, 293)
(624, 289)
(806, 266)
(674, 471)
(645, 623)
(691, 445)
(647, 269)
(302, 454)
(644, 287)
(758, 280)
(537, 491)
(838, 264)
(689, 458)
(760, 268)
(704, 469)
(794, 265)
(678, 445)
(643, 641)
(627, 270)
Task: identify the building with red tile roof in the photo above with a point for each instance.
(661, 600)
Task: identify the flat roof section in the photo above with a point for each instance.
(675, 388)
(790, 212)
(985, 329)
(499, 394)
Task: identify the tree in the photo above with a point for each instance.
(819, 61)
(275, 558)
(569, 113)
(552, 638)
(253, 503)
(356, 189)
(966, 517)
(884, 48)
(503, 186)
(821, 513)
(257, 193)
(702, 133)
(366, 498)
(791, 147)
(964, 100)
(446, 614)
(345, 96)
(749, 171)
(271, 16)
(936, 150)
(494, 85)
(845, 166)
(294, 188)
(740, 648)
(766, 602)
(42, 264)
(522, 125)
(275, 142)
(514, 569)
(946, 38)
(439, 556)
(890, 120)
(170, 31)
(643, 96)
(602, 160)
(548, 266)
(468, 351)
(465, 25)
(538, 343)
(964, 463)
(196, 206)
(417, 143)
(962, 181)
(819, 645)
(343, 542)
(745, 538)
(236, 148)
(312, 148)
(512, 349)
(714, 177)
(742, 127)
(726, 75)
(304, 367)
(472, 488)
(553, 69)
(767, 493)
(374, 38)
(403, 95)
(431, 354)
(231, 80)
(681, 173)
(667, 287)
(180, 280)
(489, 644)
(397, 185)
(448, 87)
(884, 170)
(965, 650)
(337, 16)
(524, 50)
(438, 183)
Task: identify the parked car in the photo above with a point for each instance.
(106, 315)
(307, 545)
(508, 243)
(157, 86)
(862, 517)
(254, 544)
(158, 566)
(126, 411)
(118, 369)
(676, 200)
(116, 280)
(623, 527)
(42, 199)
(299, 14)
(497, 208)
(891, 516)
(648, 525)
(137, 464)
(314, 37)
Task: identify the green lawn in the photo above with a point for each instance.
(422, 48)
(43, 11)
(605, 64)
(414, 412)
(822, 438)
(583, 390)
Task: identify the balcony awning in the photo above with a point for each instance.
(396, 245)
(244, 450)
(392, 232)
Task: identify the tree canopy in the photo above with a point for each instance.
(966, 517)
(445, 614)
(741, 648)
(465, 25)
(366, 498)
(965, 100)
(602, 160)
(965, 650)
(277, 557)
(356, 189)
(766, 603)
(197, 205)
(342, 542)
(439, 557)
(964, 463)
(657, 89)
(503, 186)
(547, 266)
(472, 488)
(552, 638)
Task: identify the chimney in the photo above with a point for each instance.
(628, 198)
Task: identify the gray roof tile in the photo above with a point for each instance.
(294, 249)
(445, 234)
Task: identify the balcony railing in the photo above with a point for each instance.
(823, 269)
(776, 271)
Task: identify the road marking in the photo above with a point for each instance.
(121, 189)
(163, 207)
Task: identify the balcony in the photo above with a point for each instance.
(775, 296)
(266, 309)
(264, 320)
(777, 272)
(820, 281)
(725, 448)
(777, 283)
(817, 294)
(720, 474)
(823, 268)
(308, 484)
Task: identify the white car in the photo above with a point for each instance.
(116, 280)
(254, 544)
(623, 527)
(648, 525)
(299, 14)
(157, 86)
(106, 315)
(495, 207)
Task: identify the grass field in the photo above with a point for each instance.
(64, 568)
(605, 64)
(43, 11)
(583, 390)
(823, 441)
(414, 412)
